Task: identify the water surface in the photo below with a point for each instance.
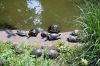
(28, 14)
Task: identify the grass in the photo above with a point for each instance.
(86, 55)
(11, 58)
(89, 21)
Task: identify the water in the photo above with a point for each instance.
(28, 14)
(38, 8)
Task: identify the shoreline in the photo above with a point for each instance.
(33, 40)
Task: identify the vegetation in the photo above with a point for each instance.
(88, 54)
(89, 21)
(13, 57)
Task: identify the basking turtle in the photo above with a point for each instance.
(33, 32)
(75, 33)
(52, 54)
(10, 33)
(44, 34)
(37, 52)
(22, 34)
(53, 36)
(54, 29)
(72, 39)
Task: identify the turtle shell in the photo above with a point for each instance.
(37, 52)
(44, 34)
(33, 32)
(19, 33)
(52, 54)
(53, 36)
(54, 29)
(19, 50)
(75, 33)
(72, 39)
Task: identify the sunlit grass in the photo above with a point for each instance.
(89, 21)
(11, 58)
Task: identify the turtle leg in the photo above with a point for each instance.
(28, 37)
(58, 38)
(47, 38)
(50, 38)
(42, 37)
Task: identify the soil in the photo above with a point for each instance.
(33, 40)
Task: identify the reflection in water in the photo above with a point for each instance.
(36, 5)
(28, 14)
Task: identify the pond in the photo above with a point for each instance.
(28, 14)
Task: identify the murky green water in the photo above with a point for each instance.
(25, 14)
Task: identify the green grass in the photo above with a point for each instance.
(11, 58)
(89, 21)
(86, 55)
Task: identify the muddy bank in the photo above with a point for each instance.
(33, 40)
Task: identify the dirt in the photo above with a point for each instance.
(33, 40)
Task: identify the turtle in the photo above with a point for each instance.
(75, 33)
(53, 36)
(14, 46)
(44, 34)
(33, 32)
(22, 34)
(72, 39)
(10, 33)
(17, 49)
(54, 29)
(37, 52)
(52, 54)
